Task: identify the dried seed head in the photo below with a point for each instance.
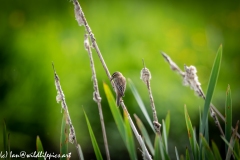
(86, 42)
(78, 13)
(71, 136)
(190, 72)
(145, 75)
(58, 98)
(172, 64)
(191, 79)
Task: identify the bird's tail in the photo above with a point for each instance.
(118, 100)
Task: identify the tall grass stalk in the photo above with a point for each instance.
(61, 98)
(96, 94)
(146, 77)
(82, 21)
(193, 82)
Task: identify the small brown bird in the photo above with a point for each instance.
(120, 86)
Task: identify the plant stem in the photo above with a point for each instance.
(82, 21)
(91, 35)
(96, 94)
(146, 154)
(200, 92)
(146, 77)
(61, 98)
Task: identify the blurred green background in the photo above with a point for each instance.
(33, 34)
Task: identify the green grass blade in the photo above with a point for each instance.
(200, 125)
(144, 134)
(207, 131)
(233, 140)
(6, 141)
(160, 152)
(164, 136)
(8, 147)
(216, 151)
(140, 103)
(93, 139)
(196, 142)
(207, 150)
(187, 154)
(237, 149)
(167, 123)
(236, 156)
(196, 146)
(64, 137)
(115, 112)
(191, 135)
(230, 147)
(163, 152)
(157, 152)
(130, 139)
(176, 151)
(39, 148)
(228, 113)
(181, 157)
(211, 86)
(231, 143)
(162, 149)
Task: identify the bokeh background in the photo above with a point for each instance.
(33, 34)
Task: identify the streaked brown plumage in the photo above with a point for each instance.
(120, 86)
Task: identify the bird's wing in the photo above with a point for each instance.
(120, 88)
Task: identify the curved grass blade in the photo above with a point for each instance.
(230, 148)
(211, 86)
(207, 150)
(93, 139)
(191, 135)
(181, 157)
(116, 115)
(233, 140)
(187, 154)
(228, 113)
(64, 137)
(157, 153)
(160, 152)
(8, 148)
(140, 103)
(130, 139)
(237, 149)
(176, 151)
(166, 156)
(115, 112)
(164, 136)
(144, 134)
(39, 148)
(200, 125)
(167, 122)
(216, 151)
(6, 141)
(163, 152)
(231, 143)
(206, 131)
